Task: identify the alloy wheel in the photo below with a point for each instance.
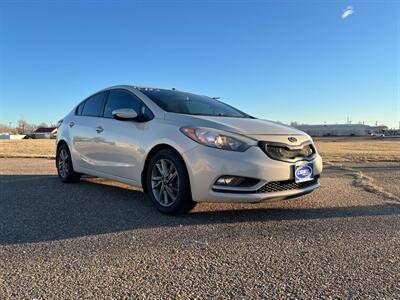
(165, 182)
(63, 163)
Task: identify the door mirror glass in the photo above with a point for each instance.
(124, 114)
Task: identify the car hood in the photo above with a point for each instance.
(244, 126)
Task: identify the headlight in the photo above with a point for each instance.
(218, 139)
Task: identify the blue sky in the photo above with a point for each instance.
(278, 60)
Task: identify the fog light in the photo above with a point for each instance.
(229, 180)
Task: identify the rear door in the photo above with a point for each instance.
(86, 132)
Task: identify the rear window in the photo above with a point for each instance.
(94, 105)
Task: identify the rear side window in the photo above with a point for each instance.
(94, 105)
(120, 99)
(80, 108)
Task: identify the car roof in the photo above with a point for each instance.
(138, 87)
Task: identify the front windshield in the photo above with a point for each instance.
(191, 104)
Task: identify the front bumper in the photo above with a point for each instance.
(205, 165)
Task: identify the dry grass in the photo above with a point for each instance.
(358, 149)
(27, 148)
(332, 149)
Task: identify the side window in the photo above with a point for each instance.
(80, 108)
(93, 105)
(146, 113)
(120, 99)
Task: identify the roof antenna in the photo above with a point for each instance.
(216, 98)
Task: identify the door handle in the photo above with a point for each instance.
(71, 124)
(99, 129)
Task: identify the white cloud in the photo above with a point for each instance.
(347, 12)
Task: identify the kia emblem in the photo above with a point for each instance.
(292, 139)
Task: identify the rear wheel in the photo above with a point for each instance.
(168, 183)
(64, 165)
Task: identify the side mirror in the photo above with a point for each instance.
(124, 114)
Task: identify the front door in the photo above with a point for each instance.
(118, 143)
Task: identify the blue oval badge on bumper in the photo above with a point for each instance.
(303, 172)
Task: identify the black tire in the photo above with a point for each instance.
(64, 165)
(174, 185)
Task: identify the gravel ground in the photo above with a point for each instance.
(99, 239)
(390, 182)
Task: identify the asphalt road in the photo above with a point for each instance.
(98, 239)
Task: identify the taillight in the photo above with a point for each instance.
(59, 123)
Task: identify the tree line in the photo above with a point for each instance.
(22, 127)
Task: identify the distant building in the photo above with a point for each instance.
(45, 133)
(341, 129)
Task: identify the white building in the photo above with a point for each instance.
(341, 129)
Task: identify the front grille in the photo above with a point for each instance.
(286, 153)
(287, 185)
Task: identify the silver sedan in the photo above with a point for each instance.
(183, 148)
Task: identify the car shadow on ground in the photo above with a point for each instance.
(36, 208)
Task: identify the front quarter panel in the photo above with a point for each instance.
(160, 131)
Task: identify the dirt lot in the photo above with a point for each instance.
(100, 239)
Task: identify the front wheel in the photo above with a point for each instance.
(168, 183)
(64, 165)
